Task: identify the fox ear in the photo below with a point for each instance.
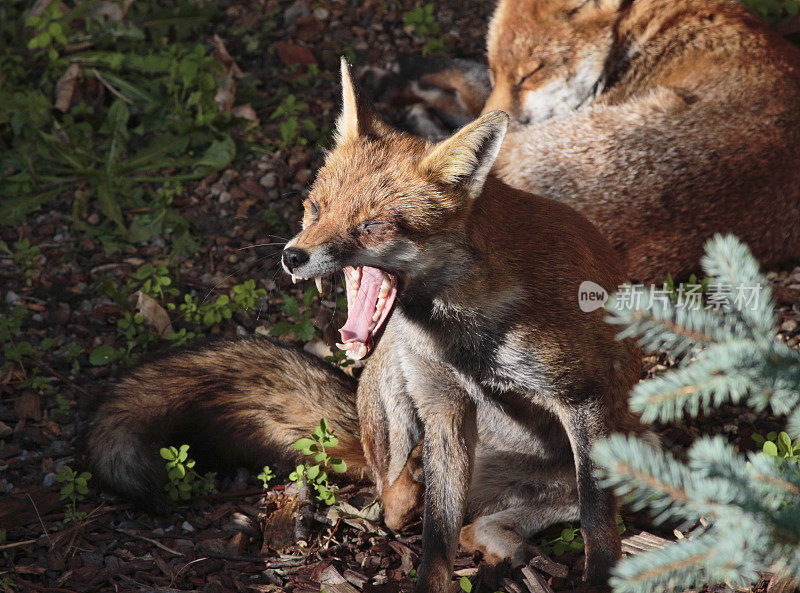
(358, 117)
(467, 156)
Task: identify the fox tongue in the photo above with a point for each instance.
(362, 309)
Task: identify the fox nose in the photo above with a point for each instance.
(293, 257)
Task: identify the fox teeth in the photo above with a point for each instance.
(341, 346)
(318, 282)
(294, 279)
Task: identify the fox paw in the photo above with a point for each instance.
(496, 543)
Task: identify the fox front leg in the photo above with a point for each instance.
(586, 423)
(450, 420)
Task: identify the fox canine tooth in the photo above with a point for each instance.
(318, 282)
(294, 279)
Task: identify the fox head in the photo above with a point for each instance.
(385, 208)
(549, 57)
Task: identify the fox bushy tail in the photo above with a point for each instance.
(236, 403)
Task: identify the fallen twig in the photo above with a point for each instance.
(157, 544)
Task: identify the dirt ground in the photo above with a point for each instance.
(241, 538)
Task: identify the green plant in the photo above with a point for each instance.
(208, 314)
(465, 585)
(16, 351)
(316, 475)
(184, 482)
(72, 352)
(246, 295)
(98, 109)
(773, 11)
(7, 584)
(137, 333)
(64, 404)
(48, 33)
(300, 325)
(743, 506)
(182, 337)
(75, 488)
(560, 541)
(779, 445)
(291, 126)
(265, 476)
(154, 281)
(686, 292)
(422, 23)
(25, 257)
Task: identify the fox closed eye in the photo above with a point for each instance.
(371, 226)
(525, 78)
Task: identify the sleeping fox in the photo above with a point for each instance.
(661, 121)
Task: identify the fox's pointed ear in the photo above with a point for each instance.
(358, 117)
(467, 156)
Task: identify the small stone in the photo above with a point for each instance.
(11, 297)
(94, 219)
(789, 326)
(224, 197)
(240, 522)
(321, 13)
(262, 331)
(61, 313)
(58, 449)
(49, 480)
(186, 526)
(294, 12)
(269, 180)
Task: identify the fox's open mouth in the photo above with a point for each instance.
(370, 296)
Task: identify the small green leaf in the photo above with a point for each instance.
(771, 448)
(306, 445)
(102, 355)
(338, 465)
(166, 453)
(465, 584)
(785, 443)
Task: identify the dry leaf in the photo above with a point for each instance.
(223, 57)
(245, 111)
(291, 53)
(226, 93)
(38, 7)
(29, 405)
(154, 314)
(65, 87)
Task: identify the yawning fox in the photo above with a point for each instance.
(478, 283)
(484, 370)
